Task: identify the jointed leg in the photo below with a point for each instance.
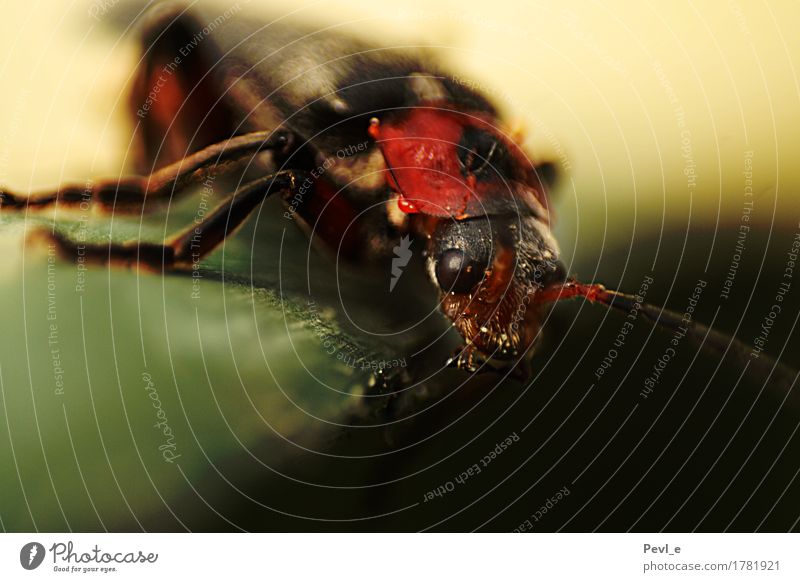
(129, 194)
(571, 289)
(192, 244)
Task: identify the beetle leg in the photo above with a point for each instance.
(190, 245)
(128, 195)
(388, 381)
(464, 359)
(570, 289)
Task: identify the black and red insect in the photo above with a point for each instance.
(219, 94)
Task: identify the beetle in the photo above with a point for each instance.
(334, 126)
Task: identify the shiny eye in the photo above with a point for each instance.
(476, 150)
(458, 272)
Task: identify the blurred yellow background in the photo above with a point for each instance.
(613, 90)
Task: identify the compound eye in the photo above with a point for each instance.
(476, 150)
(458, 272)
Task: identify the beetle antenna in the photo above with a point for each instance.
(130, 193)
(758, 365)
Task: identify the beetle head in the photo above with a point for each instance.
(488, 270)
(481, 204)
